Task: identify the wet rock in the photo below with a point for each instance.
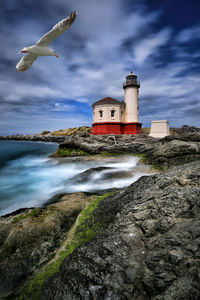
(100, 174)
(89, 174)
(150, 249)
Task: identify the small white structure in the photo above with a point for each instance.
(159, 128)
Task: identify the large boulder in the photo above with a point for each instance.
(172, 152)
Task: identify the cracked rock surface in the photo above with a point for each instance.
(151, 249)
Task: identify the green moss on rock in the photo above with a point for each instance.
(143, 158)
(33, 213)
(65, 152)
(157, 167)
(153, 167)
(111, 154)
(85, 229)
(146, 130)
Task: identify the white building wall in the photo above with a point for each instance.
(106, 109)
(131, 101)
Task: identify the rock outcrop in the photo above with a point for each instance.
(166, 152)
(175, 150)
(151, 249)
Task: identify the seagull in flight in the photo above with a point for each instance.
(42, 46)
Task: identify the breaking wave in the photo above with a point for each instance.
(28, 178)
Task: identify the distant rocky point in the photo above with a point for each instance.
(184, 129)
(47, 136)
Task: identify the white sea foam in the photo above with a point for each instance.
(94, 185)
(31, 180)
(126, 162)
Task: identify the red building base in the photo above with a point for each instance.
(132, 128)
(116, 128)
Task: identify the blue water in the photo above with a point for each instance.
(22, 174)
(28, 177)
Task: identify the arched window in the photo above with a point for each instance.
(112, 113)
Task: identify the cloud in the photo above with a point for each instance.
(62, 107)
(38, 123)
(108, 39)
(150, 45)
(189, 34)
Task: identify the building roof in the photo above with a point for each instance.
(107, 100)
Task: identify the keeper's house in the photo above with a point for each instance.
(111, 116)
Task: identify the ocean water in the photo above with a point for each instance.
(28, 177)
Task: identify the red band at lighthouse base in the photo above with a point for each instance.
(116, 128)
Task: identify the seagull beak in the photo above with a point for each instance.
(57, 55)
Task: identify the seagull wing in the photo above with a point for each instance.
(57, 30)
(26, 62)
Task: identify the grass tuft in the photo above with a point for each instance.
(146, 130)
(33, 213)
(143, 157)
(71, 131)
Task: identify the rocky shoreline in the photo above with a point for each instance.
(34, 138)
(141, 242)
(162, 153)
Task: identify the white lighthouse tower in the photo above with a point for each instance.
(131, 101)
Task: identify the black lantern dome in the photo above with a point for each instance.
(131, 80)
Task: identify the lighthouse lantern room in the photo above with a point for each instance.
(111, 116)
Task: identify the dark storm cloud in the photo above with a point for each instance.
(108, 39)
(193, 111)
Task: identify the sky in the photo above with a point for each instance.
(159, 40)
